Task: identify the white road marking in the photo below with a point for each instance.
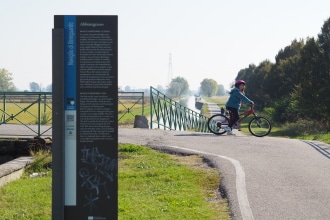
(318, 148)
(243, 201)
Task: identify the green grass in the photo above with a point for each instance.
(28, 198)
(155, 185)
(128, 109)
(26, 113)
(128, 118)
(305, 130)
(152, 185)
(220, 100)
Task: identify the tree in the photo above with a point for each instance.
(209, 87)
(245, 74)
(49, 88)
(178, 87)
(283, 76)
(290, 51)
(34, 87)
(324, 44)
(161, 88)
(6, 83)
(127, 89)
(255, 78)
(221, 90)
(312, 93)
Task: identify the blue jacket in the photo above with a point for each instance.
(235, 98)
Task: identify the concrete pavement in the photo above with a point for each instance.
(213, 108)
(13, 170)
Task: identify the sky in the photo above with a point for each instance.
(158, 39)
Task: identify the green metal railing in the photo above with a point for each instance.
(135, 99)
(168, 114)
(33, 110)
(30, 109)
(30, 113)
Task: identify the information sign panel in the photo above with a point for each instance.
(89, 80)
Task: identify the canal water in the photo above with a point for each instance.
(190, 103)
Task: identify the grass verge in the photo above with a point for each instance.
(155, 185)
(152, 185)
(29, 198)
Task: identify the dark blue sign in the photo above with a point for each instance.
(90, 117)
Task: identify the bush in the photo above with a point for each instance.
(304, 127)
(41, 163)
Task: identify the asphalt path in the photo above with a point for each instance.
(263, 178)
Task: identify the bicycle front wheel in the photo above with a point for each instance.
(216, 124)
(260, 126)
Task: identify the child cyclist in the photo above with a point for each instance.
(234, 103)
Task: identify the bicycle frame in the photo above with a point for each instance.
(244, 115)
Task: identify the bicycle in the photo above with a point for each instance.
(258, 126)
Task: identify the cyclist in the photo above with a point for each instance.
(233, 103)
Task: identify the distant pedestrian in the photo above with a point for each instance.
(222, 110)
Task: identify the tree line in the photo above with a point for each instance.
(7, 85)
(296, 85)
(179, 86)
(293, 88)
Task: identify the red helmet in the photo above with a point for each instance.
(239, 82)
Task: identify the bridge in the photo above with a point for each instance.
(31, 113)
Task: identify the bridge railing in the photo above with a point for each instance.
(167, 114)
(26, 111)
(130, 103)
(30, 113)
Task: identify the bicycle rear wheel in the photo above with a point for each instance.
(216, 124)
(260, 126)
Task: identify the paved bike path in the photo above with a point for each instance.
(264, 178)
(213, 108)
